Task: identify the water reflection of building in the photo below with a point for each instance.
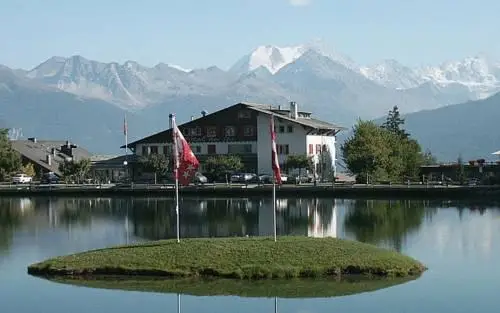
(302, 217)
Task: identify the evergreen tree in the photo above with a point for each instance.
(10, 159)
(394, 123)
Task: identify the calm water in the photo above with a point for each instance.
(459, 242)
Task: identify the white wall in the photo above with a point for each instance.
(295, 140)
(329, 141)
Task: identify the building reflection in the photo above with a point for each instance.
(127, 219)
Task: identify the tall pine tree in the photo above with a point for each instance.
(394, 123)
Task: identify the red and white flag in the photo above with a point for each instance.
(185, 162)
(275, 161)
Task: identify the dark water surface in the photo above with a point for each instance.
(459, 242)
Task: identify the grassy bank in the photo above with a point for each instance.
(339, 191)
(291, 288)
(240, 258)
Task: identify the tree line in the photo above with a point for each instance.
(387, 152)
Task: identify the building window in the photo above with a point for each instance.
(248, 131)
(282, 129)
(211, 149)
(230, 131)
(324, 148)
(311, 148)
(244, 114)
(239, 149)
(283, 149)
(144, 150)
(196, 131)
(211, 131)
(290, 129)
(196, 149)
(154, 150)
(318, 149)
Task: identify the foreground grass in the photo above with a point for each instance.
(242, 258)
(290, 288)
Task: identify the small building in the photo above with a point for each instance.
(46, 155)
(114, 168)
(243, 129)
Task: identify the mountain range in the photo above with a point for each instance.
(85, 100)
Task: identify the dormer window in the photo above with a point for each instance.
(243, 114)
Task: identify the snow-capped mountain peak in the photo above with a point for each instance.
(391, 73)
(273, 58)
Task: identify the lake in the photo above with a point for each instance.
(459, 242)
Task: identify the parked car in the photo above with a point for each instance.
(244, 178)
(199, 178)
(21, 179)
(50, 178)
(268, 178)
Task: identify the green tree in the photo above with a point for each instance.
(29, 169)
(367, 152)
(82, 169)
(220, 165)
(384, 152)
(394, 123)
(155, 163)
(299, 161)
(77, 170)
(10, 159)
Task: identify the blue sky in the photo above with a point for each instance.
(199, 33)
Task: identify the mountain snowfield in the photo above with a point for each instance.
(321, 80)
(132, 86)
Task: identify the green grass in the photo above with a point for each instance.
(291, 288)
(240, 258)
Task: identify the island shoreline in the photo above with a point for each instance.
(253, 258)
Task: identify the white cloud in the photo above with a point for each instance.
(300, 3)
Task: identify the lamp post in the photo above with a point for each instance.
(125, 166)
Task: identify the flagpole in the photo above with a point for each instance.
(275, 304)
(176, 155)
(274, 206)
(178, 303)
(273, 147)
(126, 137)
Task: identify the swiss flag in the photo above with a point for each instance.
(185, 162)
(275, 161)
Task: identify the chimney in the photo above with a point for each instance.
(192, 118)
(67, 143)
(170, 120)
(32, 139)
(294, 112)
(49, 159)
(53, 151)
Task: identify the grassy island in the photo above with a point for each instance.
(235, 258)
